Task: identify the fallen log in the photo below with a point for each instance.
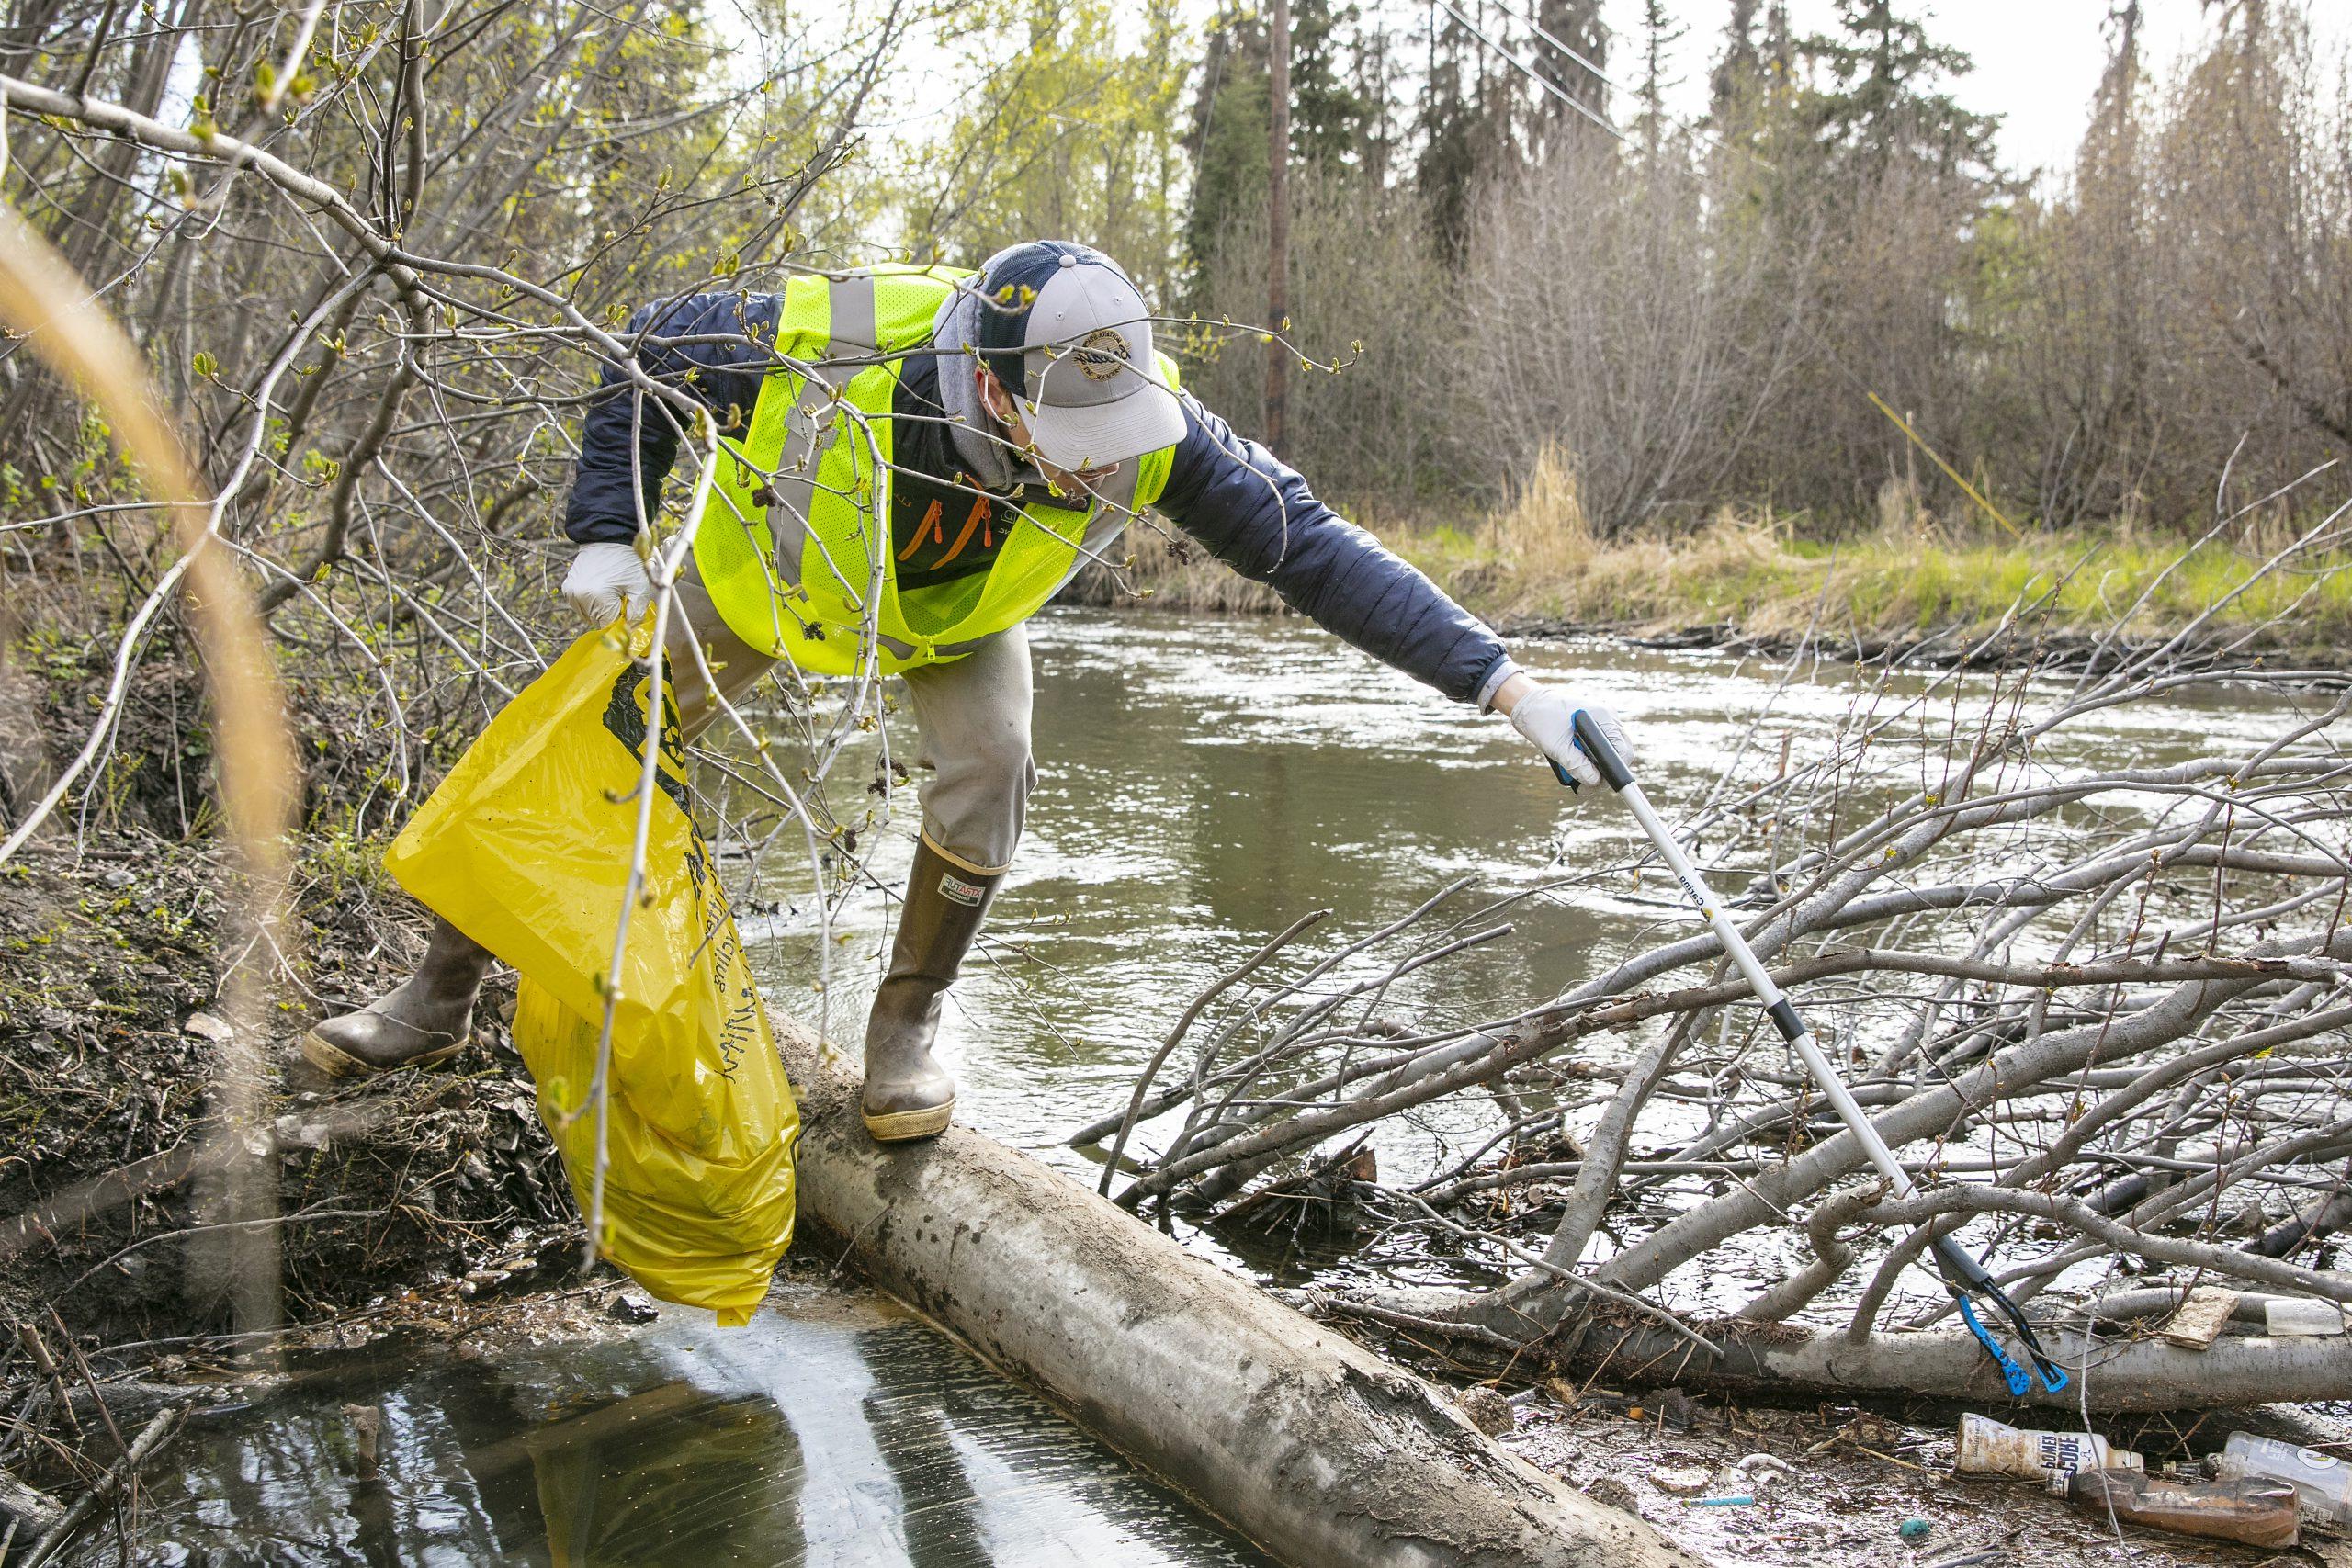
(2112, 1373)
(190, 1159)
(1286, 1429)
(26, 1510)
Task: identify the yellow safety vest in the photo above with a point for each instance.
(794, 542)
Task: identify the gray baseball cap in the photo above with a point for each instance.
(1070, 338)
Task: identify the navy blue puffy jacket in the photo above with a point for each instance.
(1250, 509)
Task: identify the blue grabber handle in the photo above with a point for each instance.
(1965, 1277)
(1595, 745)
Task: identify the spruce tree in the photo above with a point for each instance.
(1882, 102)
(1332, 123)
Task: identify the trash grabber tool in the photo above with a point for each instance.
(1963, 1276)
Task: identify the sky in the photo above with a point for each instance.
(2038, 62)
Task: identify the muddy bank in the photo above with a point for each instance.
(1967, 647)
(1832, 1486)
(433, 1193)
(1959, 644)
(419, 1204)
(1962, 647)
(114, 1149)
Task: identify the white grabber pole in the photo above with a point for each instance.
(1963, 1276)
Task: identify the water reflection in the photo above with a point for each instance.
(833, 1431)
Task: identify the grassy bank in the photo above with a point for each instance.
(1915, 575)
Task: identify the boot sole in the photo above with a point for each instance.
(337, 1063)
(906, 1127)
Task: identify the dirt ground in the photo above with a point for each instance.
(1858, 1477)
(107, 1055)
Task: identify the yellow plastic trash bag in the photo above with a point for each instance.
(526, 848)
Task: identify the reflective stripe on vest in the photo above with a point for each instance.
(793, 544)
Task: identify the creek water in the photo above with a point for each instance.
(1201, 783)
(833, 1430)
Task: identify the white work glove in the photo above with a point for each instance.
(607, 582)
(1547, 717)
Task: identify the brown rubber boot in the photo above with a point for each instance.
(908, 1095)
(424, 1019)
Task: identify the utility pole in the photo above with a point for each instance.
(1277, 216)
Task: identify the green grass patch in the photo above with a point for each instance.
(1891, 582)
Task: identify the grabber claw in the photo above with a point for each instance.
(2053, 1376)
(1966, 1278)
(2015, 1375)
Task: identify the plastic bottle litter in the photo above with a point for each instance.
(2323, 1482)
(2301, 1317)
(2259, 1513)
(1990, 1448)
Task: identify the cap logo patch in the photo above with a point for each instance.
(1102, 354)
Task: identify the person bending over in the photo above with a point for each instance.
(1007, 425)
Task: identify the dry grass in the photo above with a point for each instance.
(1537, 562)
(1157, 568)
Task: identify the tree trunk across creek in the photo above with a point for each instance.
(2121, 1369)
(1310, 1446)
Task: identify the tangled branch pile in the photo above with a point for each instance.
(2101, 1013)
